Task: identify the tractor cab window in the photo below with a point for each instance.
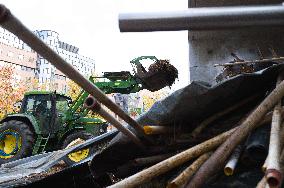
(62, 104)
(37, 104)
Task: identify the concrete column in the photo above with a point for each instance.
(209, 47)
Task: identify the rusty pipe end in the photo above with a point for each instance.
(4, 13)
(273, 177)
(92, 104)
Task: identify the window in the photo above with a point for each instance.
(62, 104)
(21, 57)
(31, 59)
(10, 54)
(37, 104)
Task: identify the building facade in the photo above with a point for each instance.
(48, 73)
(29, 65)
(15, 53)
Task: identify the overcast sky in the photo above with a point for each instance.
(92, 25)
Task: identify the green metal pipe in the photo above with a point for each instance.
(92, 104)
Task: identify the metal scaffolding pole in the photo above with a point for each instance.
(203, 19)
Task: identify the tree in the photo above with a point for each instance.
(149, 98)
(11, 91)
(32, 84)
(73, 89)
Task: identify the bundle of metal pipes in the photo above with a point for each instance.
(225, 150)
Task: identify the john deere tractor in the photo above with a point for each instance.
(49, 121)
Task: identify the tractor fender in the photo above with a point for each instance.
(28, 119)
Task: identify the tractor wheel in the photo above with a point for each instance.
(75, 139)
(16, 141)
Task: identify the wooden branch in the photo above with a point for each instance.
(183, 177)
(172, 162)
(216, 116)
(276, 59)
(128, 168)
(281, 135)
(179, 159)
(273, 173)
(151, 159)
(218, 159)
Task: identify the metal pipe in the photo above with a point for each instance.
(233, 160)
(257, 144)
(12, 24)
(150, 130)
(220, 156)
(92, 104)
(203, 19)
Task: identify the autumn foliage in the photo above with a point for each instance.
(11, 91)
(73, 89)
(149, 98)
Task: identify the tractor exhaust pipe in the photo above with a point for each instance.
(12, 24)
(92, 104)
(203, 19)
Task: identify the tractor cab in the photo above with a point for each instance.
(47, 107)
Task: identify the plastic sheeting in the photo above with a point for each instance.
(13, 173)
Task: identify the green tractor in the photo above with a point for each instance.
(49, 121)
(46, 122)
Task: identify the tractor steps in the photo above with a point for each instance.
(41, 143)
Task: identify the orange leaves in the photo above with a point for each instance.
(73, 89)
(11, 91)
(149, 98)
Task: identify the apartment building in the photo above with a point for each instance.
(28, 64)
(15, 53)
(47, 72)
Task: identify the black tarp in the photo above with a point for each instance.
(186, 107)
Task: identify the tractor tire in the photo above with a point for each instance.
(80, 155)
(12, 131)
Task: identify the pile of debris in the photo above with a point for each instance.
(195, 138)
(232, 134)
(165, 67)
(240, 66)
(199, 140)
(159, 75)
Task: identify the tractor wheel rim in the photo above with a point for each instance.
(10, 143)
(78, 155)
